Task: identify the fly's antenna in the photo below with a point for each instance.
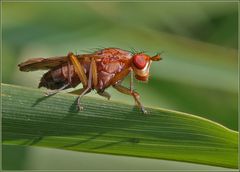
(157, 57)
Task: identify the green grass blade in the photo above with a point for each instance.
(110, 127)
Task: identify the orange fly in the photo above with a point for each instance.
(99, 70)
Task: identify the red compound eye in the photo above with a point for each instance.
(139, 61)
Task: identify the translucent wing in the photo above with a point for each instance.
(43, 63)
(49, 63)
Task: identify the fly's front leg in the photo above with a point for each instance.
(135, 95)
(82, 92)
(116, 84)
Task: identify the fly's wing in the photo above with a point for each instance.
(43, 63)
(49, 63)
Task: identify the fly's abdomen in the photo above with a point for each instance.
(59, 77)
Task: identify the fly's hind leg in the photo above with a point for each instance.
(50, 93)
(79, 69)
(135, 95)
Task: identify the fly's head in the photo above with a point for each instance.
(141, 64)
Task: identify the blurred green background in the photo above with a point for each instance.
(199, 70)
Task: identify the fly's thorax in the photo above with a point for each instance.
(108, 68)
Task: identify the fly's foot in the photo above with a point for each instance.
(49, 93)
(144, 111)
(79, 107)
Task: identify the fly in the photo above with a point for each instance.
(99, 70)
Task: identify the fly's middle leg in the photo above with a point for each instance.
(82, 92)
(104, 94)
